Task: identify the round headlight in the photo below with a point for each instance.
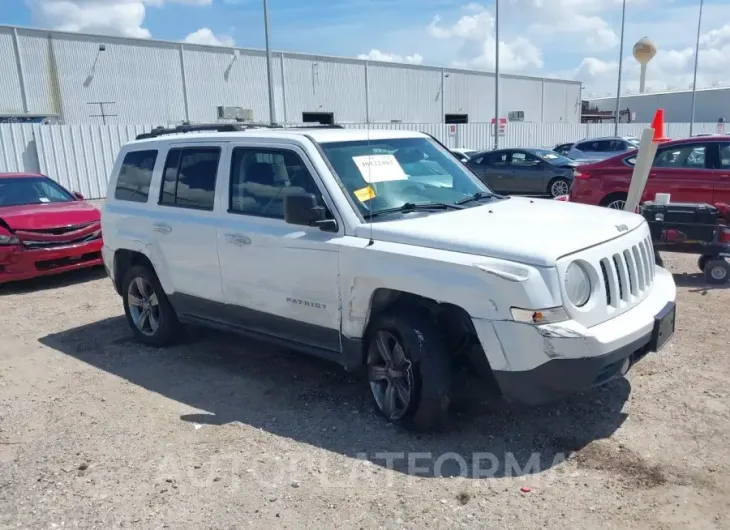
(577, 285)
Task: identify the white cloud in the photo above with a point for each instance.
(474, 33)
(206, 36)
(109, 17)
(377, 55)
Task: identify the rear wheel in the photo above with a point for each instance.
(701, 262)
(614, 201)
(558, 187)
(717, 271)
(408, 369)
(149, 312)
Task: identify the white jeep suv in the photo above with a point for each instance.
(379, 250)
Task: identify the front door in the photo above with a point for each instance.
(684, 171)
(527, 173)
(278, 279)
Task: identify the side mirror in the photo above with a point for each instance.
(302, 209)
(78, 195)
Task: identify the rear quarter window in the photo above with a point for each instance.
(135, 176)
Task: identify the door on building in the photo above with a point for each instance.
(323, 118)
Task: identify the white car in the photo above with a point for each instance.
(306, 238)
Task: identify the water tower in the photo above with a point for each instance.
(644, 51)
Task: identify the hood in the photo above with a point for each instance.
(51, 215)
(530, 231)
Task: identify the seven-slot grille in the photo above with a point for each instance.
(628, 274)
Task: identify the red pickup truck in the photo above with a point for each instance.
(691, 170)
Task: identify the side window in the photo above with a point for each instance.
(135, 175)
(724, 156)
(260, 178)
(189, 177)
(683, 156)
(617, 145)
(524, 161)
(496, 159)
(587, 147)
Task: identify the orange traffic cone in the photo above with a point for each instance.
(658, 125)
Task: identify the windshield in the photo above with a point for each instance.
(553, 157)
(16, 191)
(384, 174)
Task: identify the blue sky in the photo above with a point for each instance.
(575, 39)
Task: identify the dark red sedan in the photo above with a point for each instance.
(44, 228)
(691, 170)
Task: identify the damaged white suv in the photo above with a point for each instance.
(379, 250)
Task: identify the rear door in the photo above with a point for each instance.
(527, 173)
(685, 171)
(493, 169)
(721, 190)
(184, 223)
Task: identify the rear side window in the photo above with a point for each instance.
(189, 177)
(135, 175)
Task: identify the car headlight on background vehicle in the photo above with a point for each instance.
(577, 284)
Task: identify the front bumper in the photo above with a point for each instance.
(18, 263)
(538, 364)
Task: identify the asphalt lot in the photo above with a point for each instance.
(220, 432)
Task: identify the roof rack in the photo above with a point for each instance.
(225, 127)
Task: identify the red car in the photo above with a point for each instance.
(45, 229)
(691, 170)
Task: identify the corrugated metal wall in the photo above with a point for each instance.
(165, 82)
(81, 157)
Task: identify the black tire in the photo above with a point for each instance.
(702, 261)
(613, 199)
(428, 363)
(717, 271)
(658, 259)
(167, 321)
(557, 182)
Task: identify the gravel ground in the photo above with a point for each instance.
(218, 432)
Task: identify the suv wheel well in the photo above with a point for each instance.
(123, 261)
(454, 323)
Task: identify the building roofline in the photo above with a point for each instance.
(284, 53)
(648, 94)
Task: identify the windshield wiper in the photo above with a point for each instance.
(413, 207)
(478, 196)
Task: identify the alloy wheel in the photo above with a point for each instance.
(616, 205)
(390, 374)
(144, 306)
(559, 188)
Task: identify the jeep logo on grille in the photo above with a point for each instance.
(622, 228)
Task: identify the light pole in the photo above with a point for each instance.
(496, 74)
(620, 66)
(694, 81)
(270, 79)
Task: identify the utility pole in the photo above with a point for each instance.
(694, 81)
(272, 107)
(620, 67)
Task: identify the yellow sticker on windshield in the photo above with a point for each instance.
(365, 194)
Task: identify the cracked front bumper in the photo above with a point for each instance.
(538, 364)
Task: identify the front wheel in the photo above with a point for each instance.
(149, 312)
(408, 370)
(558, 187)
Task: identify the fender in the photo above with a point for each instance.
(485, 288)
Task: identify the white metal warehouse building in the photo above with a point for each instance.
(66, 76)
(711, 104)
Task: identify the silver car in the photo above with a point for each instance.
(596, 149)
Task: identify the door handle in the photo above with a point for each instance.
(162, 228)
(238, 239)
